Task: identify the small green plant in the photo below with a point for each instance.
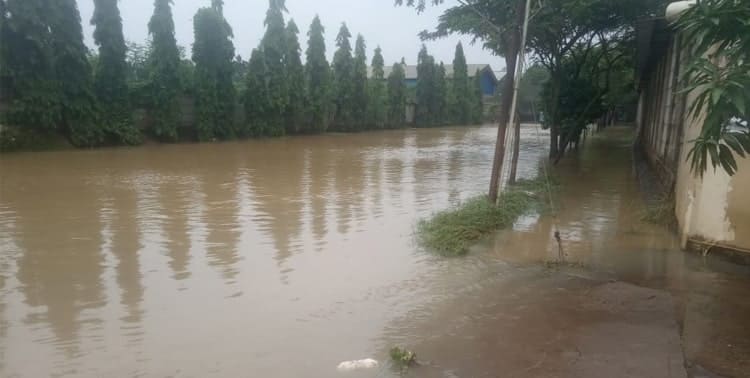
(403, 358)
(661, 212)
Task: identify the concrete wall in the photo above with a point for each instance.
(661, 113)
(713, 210)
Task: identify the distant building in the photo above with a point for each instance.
(488, 80)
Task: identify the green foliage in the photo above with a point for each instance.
(239, 71)
(295, 112)
(396, 96)
(318, 79)
(110, 83)
(226, 92)
(661, 211)
(584, 91)
(214, 91)
(441, 95)
(452, 232)
(74, 74)
(186, 73)
(477, 99)
(27, 67)
(719, 78)
(579, 102)
(377, 112)
(51, 84)
(530, 91)
(137, 62)
(557, 28)
(256, 98)
(274, 46)
(428, 93)
(402, 358)
(461, 92)
(13, 138)
(359, 92)
(165, 80)
(343, 81)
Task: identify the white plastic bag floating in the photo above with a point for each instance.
(367, 363)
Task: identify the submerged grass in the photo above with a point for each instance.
(661, 211)
(452, 232)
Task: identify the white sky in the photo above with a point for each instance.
(379, 21)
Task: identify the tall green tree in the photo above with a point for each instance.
(110, 83)
(426, 88)
(239, 70)
(343, 81)
(164, 80)
(461, 111)
(530, 91)
(274, 46)
(226, 91)
(359, 100)
(74, 75)
(477, 99)
(570, 30)
(138, 71)
(377, 107)
(256, 98)
(27, 67)
(318, 79)
(396, 96)
(213, 53)
(295, 112)
(441, 95)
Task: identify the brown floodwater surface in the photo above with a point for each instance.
(279, 257)
(284, 257)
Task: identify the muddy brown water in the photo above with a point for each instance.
(284, 257)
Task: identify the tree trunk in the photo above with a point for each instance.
(504, 115)
(511, 57)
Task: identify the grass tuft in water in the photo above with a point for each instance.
(452, 232)
(403, 358)
(661, 212)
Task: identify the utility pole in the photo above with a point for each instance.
(515, 119)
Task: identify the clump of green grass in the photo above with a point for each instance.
(661, 211)
(403, 358)
(452, 232)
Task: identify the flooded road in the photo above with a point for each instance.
(284, 257)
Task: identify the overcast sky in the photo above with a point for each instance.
(393, 28)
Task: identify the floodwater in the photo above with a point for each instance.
(284, 257)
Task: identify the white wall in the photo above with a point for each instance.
(714, 209)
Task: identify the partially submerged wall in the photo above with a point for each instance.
(713, 210)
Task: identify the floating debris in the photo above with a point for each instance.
(367, 363)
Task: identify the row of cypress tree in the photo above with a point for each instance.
(441, 100)
(50, 83)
